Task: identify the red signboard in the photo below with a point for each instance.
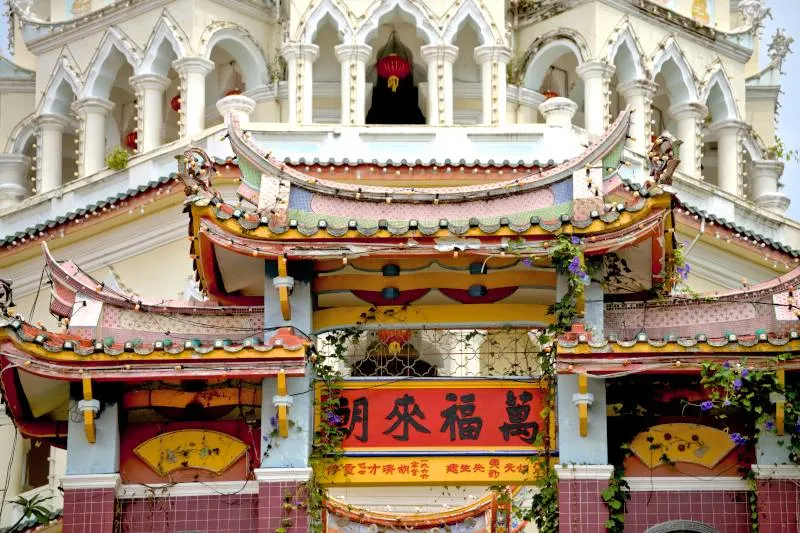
(489, 416)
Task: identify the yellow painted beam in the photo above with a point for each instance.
(780, 406)
(283, 292)
(583, 408)
(283, 409)
(435, 280)
(432, 315)
(88, 415)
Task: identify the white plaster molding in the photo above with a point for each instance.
(571, 472)
(469, 9)
(166, 29)
(777, 471)
(686, 484)
(269, 475)
(139, 236)
(423, 20)
(671, 50)
(315, 15)
(90, 481)
(177, 490)
(9, 85)
(98, 21)
(63, 71)
(114, 38)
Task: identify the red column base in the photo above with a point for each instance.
(778, 504)
(580, 507)
(89, 510)
(282, 499)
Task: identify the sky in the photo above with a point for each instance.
(783, 11)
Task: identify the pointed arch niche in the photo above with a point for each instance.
(239, 66)
(413, 31)
(467, 96)
(327, 73)
(719, 128)
(56, 149)
(551, 71)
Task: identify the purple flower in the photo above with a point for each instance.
(527, 261)
(737, 384)
(333, 419)
(574, 265)
(745, 372)
(575, 240)
(738, 439)
(726, 403)
(273, 421)
(707, 405)
(726, 364)
(769, 425)
(683, 271)
(585, 279)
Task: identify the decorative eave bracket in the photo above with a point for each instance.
(90, 408)
(282, 401)
(284, 283)
(582, 400)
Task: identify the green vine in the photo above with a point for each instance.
(567, 258)
(615, 497)
(779, 152)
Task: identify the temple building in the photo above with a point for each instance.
(396, 265)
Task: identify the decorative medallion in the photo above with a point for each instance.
(191, 448)
(682, 443)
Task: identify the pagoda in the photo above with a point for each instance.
(367, 338)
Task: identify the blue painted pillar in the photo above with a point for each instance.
(572, 448)
(102, 457)
(293, 451)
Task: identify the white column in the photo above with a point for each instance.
(558, 112)
(51, 130)
(300, 59)
(594, 74)
(493, 60)
(727, 133)
(193, 71)
(151, 88)
(638, 94)
(766, 177)
(236, 105)
(94, 112)
(440, 59)
(13, 170)
(687, 117)
(353, 58)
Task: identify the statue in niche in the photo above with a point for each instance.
(394, 96)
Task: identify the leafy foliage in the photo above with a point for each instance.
(118, 158)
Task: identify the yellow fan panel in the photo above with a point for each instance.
(191, 448)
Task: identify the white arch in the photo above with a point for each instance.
(234, 39)
(680, 90)
(468, 11)
(53, 100)
(22, 132)
(105, 64)
(380, 8)
(543, 52)
(727, 108)
(624, 36)
(166, 30)
(314, 20)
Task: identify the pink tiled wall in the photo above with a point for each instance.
(580, 508)
(725, 511)
(779, 506)
(271, 500)
(88, 511)
(210, 514)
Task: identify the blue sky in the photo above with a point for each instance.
(783, 11)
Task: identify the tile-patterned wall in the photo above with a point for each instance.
(580, 508)
(779, 506)
(88, 511)
(236, 513)
(725, 511)
(271, 512)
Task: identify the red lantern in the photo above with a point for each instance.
(175, 103)
(394, 339)
(394, 68)
(233, 92)
(131, 139)
(549, 94)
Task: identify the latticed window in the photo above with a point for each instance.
(437, 353)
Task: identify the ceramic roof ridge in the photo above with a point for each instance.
(267, 164)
